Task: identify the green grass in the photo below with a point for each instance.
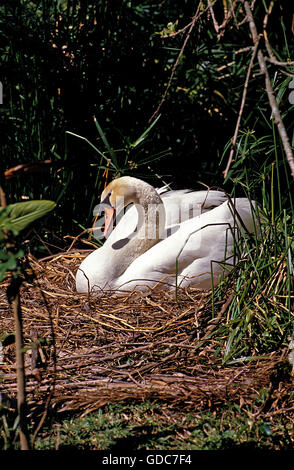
(137, 426)
(260, 318)
(154, 426)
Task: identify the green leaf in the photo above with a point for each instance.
(145, 133)
(2, 271)
(11, 264)
(19, 215)
(95, 148)
(105, 141)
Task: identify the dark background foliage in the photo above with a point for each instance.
(82, 81)
(64, 62)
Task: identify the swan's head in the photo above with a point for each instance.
(123, 191)
(120, 193)
(116, 196)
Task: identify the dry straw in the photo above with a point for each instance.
(84, 352)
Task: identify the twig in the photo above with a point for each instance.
(243, 49)
(21, 392)
(192, 24)
(88, 230)
(2, 198)
(276, 113)
(215, 23)
(272, 58)
(26, 168)
(241, 109)
(267, 14)
(14, 300)
(270, 91)
(220, 29)
(275, 61)
(176, 33)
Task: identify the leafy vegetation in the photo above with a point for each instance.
(74, 60)
(144, 426)
(153, 426)
(13, 219)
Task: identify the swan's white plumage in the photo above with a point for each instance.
(176, 202)
(199, 241)
(123, 264)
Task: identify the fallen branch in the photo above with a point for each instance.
(25, 168)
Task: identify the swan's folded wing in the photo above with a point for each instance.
(197, 246)
(180, 205)
(196, 239)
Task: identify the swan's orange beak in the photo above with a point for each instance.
(109, 219)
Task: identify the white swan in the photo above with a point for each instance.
(147, 251)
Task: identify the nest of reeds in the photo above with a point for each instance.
(83, 352)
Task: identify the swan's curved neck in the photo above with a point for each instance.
(150, 227)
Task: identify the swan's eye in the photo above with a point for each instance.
(106, 199)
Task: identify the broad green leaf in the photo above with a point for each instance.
(19, 215)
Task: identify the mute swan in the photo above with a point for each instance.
(148, 252)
